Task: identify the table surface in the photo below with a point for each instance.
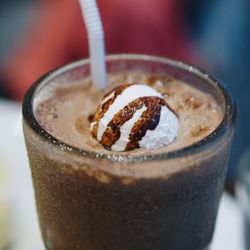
(24, 226)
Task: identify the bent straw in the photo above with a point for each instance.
(95, 34)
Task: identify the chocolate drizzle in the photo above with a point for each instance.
(148, 120)
(102, 108)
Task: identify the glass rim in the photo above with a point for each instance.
(225, 125)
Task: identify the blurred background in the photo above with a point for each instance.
(39, 35)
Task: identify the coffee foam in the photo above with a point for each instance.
(198, 112)
(47, 92)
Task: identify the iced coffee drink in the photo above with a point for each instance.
(138, 165)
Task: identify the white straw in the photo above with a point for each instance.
(95, 33)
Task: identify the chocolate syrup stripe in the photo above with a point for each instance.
(148, 120)
(102, 109)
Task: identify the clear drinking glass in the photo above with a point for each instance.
(87, 200)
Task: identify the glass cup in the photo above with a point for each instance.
(87, 200)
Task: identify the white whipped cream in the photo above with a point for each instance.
(163, 134)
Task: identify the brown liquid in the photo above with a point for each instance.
(66, 114)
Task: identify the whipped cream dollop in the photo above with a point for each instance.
(134, 116)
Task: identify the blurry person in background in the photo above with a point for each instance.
(56, 35)
(213, 34)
